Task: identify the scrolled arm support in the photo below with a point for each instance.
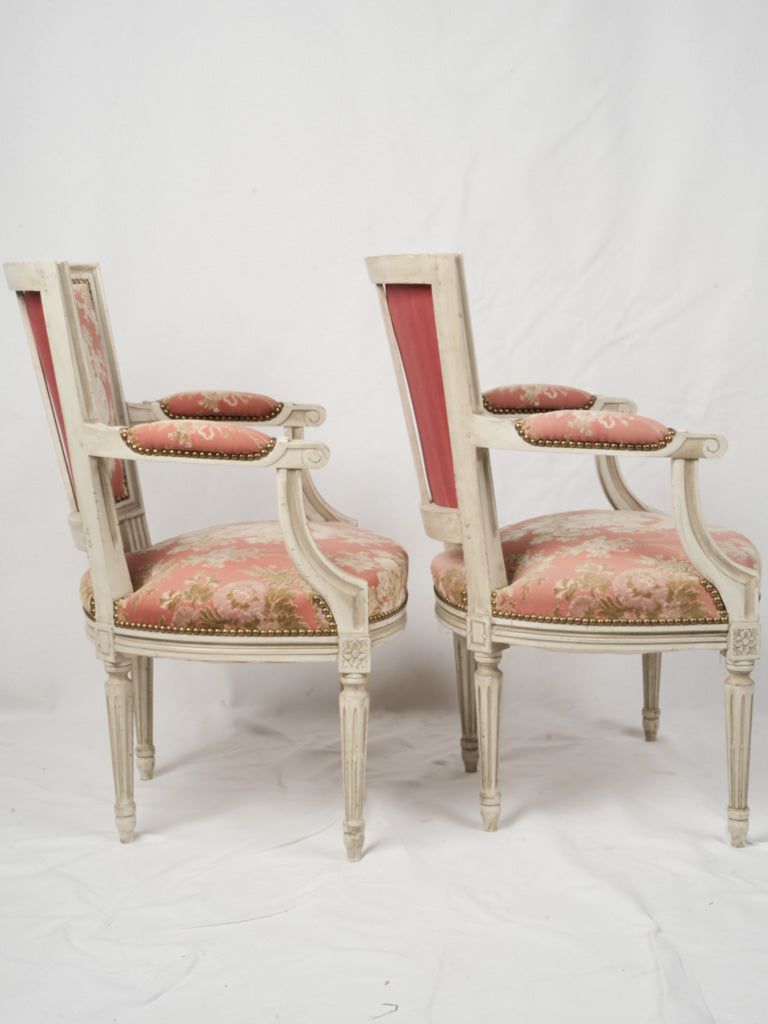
(738, 585)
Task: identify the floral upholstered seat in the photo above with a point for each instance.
(590, 568)
(310, 587)
(624, 580)
(239, 579)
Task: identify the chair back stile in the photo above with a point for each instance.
(64, 313)
(428, 319)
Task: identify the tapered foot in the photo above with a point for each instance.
(126, 824)
(490, 811)
(738, 825)
(354, 837)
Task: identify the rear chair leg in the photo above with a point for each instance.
(465, 667)
(143, 699)
(119, 691)
(651, 685)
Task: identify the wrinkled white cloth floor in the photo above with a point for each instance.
(609, 892)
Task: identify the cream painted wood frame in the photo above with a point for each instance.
(479, 637)
(106, 530)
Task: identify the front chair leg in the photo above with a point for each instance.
(143, 699)
(488, 697)
(651, 686)
(465, 666)
(739, 688)
(119, 690)
(353, 709)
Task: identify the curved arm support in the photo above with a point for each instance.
(738, 585)
(316, 507)
(615, 487)
(345, 595)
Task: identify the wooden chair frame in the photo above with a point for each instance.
(107, 530)
(479, 637)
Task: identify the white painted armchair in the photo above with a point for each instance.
(311, 587)
(624, 580)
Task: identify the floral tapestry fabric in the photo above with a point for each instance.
(522, 398)
(220, 405)
(587, 429)
(598, 568)
(239, 579)
(198, 438)
(97, 369)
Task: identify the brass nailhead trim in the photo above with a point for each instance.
(332, 629)
(514, 411)
(220, 416)
(187, 453)
(623, 446)
(565, 621)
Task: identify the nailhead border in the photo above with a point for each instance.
(530, 410)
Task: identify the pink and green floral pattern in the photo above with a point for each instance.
(523, 398)
(598, 568)
(582, 428)
(97, 369)
(220, 405)
(198, 439)
(239, 579)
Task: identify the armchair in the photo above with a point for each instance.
(311, 587)
(624, 580)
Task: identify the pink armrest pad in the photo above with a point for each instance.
(196, 439)
(220, 405)
(526, 398)
(581, 428)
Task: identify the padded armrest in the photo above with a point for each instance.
(582, 428)
(220, 405)
(198, 439)
(518, 399)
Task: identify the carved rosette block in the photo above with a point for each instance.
(488, 698)
(355, 654)
(465, 665)
(651, 687)
(353, 712)
(119, 693)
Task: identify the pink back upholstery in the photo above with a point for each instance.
(97, 369)
(413, 318)
(34, 305)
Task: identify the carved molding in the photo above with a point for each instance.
(743, 642)
(355, 654)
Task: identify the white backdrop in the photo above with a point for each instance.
(602, 167)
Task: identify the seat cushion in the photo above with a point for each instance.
(240, 579)
(598, 568)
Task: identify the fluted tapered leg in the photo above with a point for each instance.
(143, 699)
(488, 697)
(739, 689)
(353, 709)
(651, 686)
(119, 691)
(465, 668)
